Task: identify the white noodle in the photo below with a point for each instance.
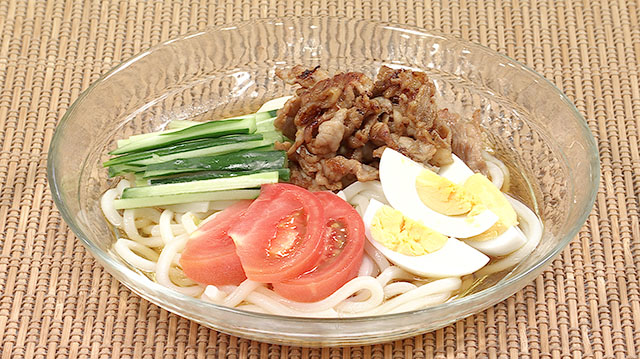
(377, 195)
(273, 306)
(496, 174)
(144, 225)
(505, 171)
(240, 293)
(379, 258)
(531, 227)
(195, 207)
(424, 302)
(125, 249)
(358, 187)
(129, 225)
(393, 273)
(165, 226)
(108, 208)
(360, 201)
(122, 185)
(188, 222)
(379, 288)
(394, 289)
(213, 294)
(155, 229)
(367, 267)
(436, 287)
(151, 214)
(165, 261)
(357, 284)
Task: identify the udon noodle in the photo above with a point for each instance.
(151, 240)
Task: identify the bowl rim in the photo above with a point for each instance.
(144, 287)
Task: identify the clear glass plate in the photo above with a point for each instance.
(231, 69)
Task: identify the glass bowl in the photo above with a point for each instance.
(231, 69)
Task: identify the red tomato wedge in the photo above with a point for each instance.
(343, 241)
(279, 236)
(210, 255)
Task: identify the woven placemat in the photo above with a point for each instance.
(56, 302)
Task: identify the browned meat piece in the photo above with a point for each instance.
(418, 151)
(412, 92)
(414, 112)
(330, 134)
(340, 125)
(300, 178)
(466, 139)
(284, 121)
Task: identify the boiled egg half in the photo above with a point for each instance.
(417, 248)
(504, 236)
(424, 196)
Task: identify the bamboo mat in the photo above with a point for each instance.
(56, 302)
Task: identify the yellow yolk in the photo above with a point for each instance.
(474, 196)
(403, 235)
(442, 195)
(483, 191)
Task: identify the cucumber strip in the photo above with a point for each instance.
(273, 136)
(155, 201)
(183, 147)
(283, 175)
(275, 104)
(235, 161)
(172, 126)
(141, 181)
(120, 169)
(178, 124)
(266, 125)
(209, 151)
(203, 130)
(137, 137)
(263, 116)
(217, 184)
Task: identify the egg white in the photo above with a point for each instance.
(509, 241)
(454, 259)
(456, 172)
(275, 104)
(398, 177)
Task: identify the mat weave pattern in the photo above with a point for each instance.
(56, 302)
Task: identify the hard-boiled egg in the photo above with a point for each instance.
(275, 104)
(399, 174)
(457, 171)
(509, 241)
(398, 237)
(504, 236)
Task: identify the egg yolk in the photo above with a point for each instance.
(404, 235)
(483, 191)
(442, 195)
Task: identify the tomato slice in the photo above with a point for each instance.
(279, 236)
(343, 241)
(209, 256)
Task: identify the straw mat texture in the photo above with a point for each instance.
(56, 302)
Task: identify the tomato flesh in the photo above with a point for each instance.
(280, 235)
(209, 256)
(343, 246)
